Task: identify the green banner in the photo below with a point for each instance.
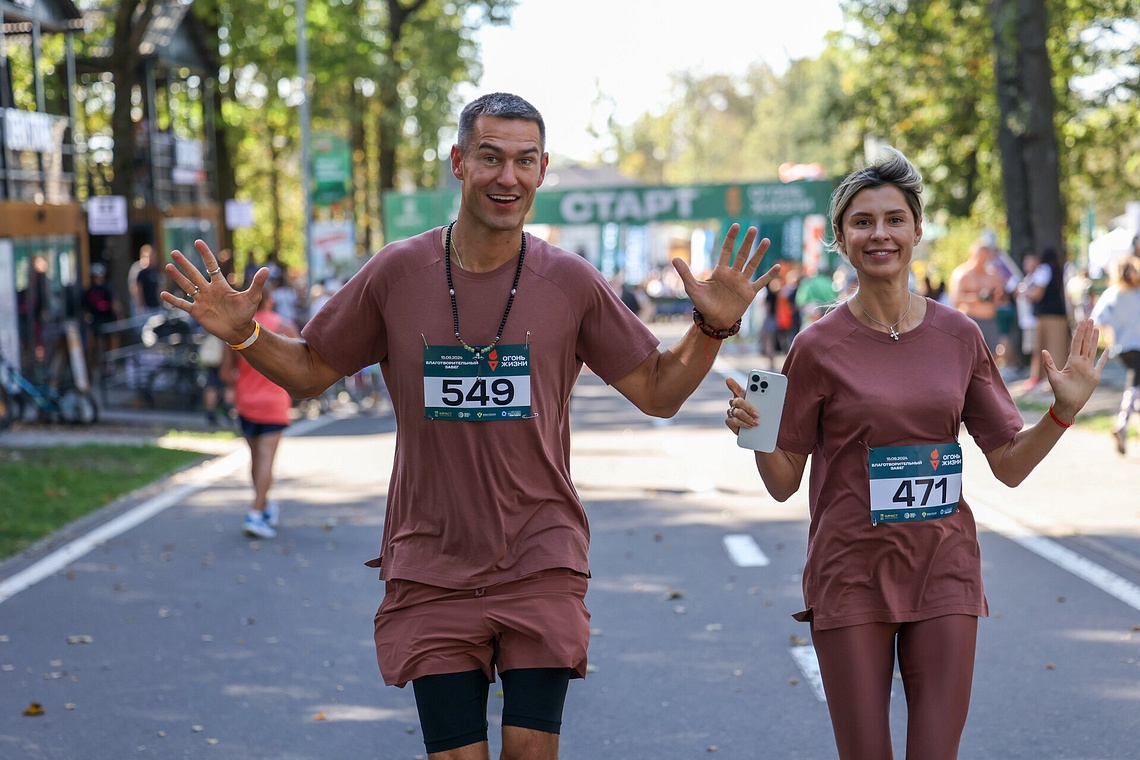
(769, 204)
(332, 169)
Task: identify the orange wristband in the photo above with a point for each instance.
(1058, 419)
(248, 341)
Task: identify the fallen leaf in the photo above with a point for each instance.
(33, 709)
(798, 641)
(81, 639)
(793, 682)
(69, 706)
(711, 748)
(673, 594)
(212, 741)
(320, 716)
(1050, 666)
(197, 729)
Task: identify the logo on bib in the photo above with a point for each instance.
(935, 459)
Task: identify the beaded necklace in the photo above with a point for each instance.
(480, 352)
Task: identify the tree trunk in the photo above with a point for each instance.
(123, 65)
(1027, 136)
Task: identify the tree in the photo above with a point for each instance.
(1054, 83)
(385, 80)
(1026, 132)
(721, 128)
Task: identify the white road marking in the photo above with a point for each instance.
(744, 551)
(806, 661)
(68, 553)
(72, 551)
(1066, 559)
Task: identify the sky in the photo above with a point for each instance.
(558, 55)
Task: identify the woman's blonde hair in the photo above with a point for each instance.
(891, 168)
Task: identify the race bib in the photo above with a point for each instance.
(911, 483)
(457, 386)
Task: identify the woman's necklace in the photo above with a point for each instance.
(891, 328)
(481, 352)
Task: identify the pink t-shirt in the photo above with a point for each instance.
(475, 503)
(850, 388)
(257, 398)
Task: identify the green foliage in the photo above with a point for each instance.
(724, 129)
(353, 62)
(919, 75)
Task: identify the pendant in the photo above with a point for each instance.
(894, 334)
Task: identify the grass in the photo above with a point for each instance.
(43, 489)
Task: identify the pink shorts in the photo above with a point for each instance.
(539, 621)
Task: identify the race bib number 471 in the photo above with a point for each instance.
(910, 483)
(457, 386)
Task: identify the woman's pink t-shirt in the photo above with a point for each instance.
(851, 388)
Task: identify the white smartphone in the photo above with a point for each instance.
(765, 391)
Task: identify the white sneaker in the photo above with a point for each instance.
(272, 514)
(256, 526)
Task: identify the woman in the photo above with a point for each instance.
(263, 410)
(877, 391)
(1118, 309)
(1045, 289)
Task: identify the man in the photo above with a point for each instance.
(976, 290)
(144, 283)
(100, 308)
(481, 331)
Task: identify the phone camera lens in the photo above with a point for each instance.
(753, 388)
(764, 384)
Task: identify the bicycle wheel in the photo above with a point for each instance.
(78, 407)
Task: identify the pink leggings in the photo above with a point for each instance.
(936, 660)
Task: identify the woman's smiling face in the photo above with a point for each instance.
(878, 232)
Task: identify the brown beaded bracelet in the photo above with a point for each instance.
(699, 320)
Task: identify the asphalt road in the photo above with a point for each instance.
(178, 637)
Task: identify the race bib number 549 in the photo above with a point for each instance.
(457, 386)
(910, 483)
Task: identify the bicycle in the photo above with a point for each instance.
(19, 396)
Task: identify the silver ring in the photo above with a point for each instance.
(731, 411)
(189, 295)
(212, 272)
(197, 290)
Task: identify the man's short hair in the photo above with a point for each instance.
(502, 105)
